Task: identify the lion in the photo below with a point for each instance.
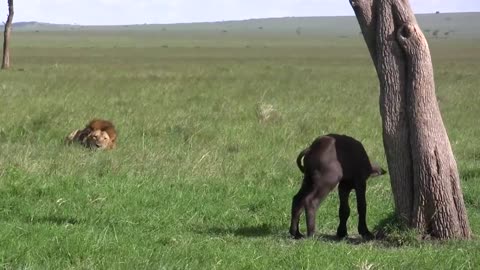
(97, 134)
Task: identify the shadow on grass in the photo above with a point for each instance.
(391, 232)
(262, 230)
(349, 240)
(387, 224)
(265, 230)
(54, 219)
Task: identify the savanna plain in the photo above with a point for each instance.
(211, 118)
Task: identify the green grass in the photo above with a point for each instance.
(197, 181)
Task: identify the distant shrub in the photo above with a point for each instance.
(298, 31)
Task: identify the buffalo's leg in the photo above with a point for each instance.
(310, 210)
(323, 184)
(362, 210)
(343, 210)
(298, 203)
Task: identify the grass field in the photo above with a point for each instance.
(197, 180)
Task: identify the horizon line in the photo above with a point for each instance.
(225, 21)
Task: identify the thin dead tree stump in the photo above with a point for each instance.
(6, 36)
(423, 170)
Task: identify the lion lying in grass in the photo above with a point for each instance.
(98, 134)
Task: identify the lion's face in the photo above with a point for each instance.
(98, 139)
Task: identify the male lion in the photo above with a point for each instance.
(97, 134)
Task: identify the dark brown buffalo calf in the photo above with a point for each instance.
(329, 161)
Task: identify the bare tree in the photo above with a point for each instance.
(423, 170)
(6, 37)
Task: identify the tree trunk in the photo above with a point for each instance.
(423, 170)
(6, 36)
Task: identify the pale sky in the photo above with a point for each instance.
(88, 12)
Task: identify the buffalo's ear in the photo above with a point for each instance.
(377, 170)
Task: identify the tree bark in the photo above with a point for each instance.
(423, 170)
(6, 37)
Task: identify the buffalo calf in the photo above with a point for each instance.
(329, 161)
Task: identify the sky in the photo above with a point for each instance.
(114, 12)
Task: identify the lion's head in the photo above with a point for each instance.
(99, 139)
(97, 134)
